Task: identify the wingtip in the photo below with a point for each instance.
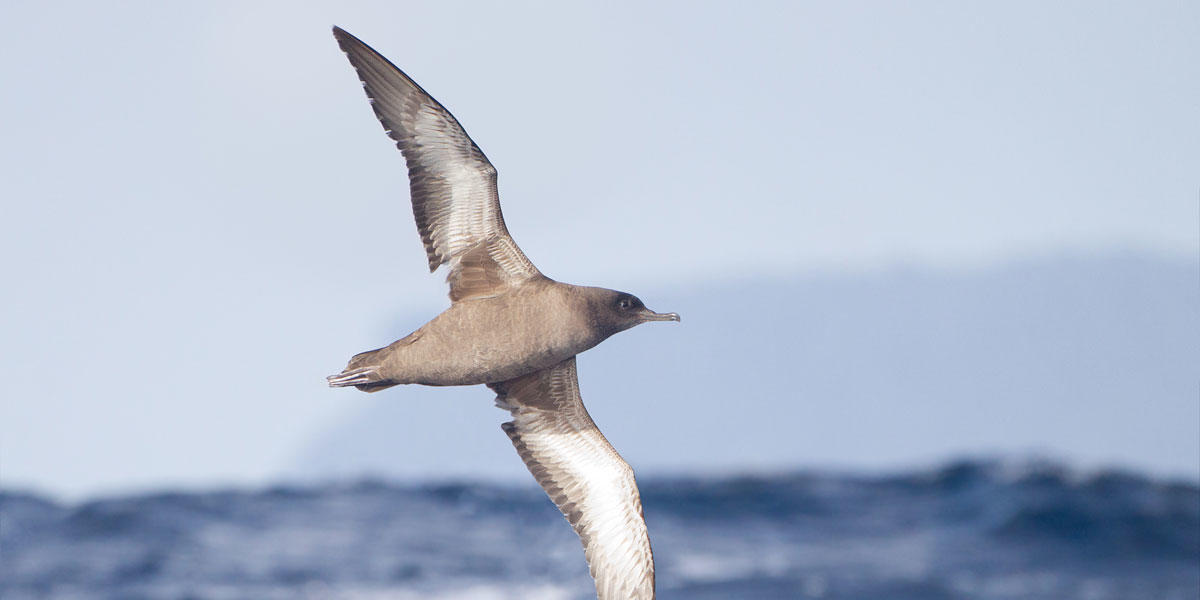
(341, 36)
(344, 37)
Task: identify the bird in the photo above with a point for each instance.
(508, 327)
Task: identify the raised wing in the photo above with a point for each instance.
(583, 475)
(453, 186)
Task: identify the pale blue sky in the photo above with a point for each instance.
(201, 217)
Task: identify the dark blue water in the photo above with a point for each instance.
(967, 530)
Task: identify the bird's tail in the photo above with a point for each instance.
(362, 373)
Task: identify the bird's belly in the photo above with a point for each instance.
(492, 347)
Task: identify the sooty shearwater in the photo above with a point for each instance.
(508, 326)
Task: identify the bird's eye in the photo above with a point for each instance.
(625, 304)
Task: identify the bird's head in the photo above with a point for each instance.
(617, 311)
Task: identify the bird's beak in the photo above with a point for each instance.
(649, 315)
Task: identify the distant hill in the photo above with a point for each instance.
(1093, 359)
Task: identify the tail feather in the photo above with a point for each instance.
(366, 379)
(360, 376)
(364, 369)
(363, 372)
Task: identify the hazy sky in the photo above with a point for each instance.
(201, 217)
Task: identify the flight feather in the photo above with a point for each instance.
(584, 476)
(452, 184)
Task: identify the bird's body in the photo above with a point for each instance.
(508, 326)
(530, 327)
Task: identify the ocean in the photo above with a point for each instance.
(972, 529)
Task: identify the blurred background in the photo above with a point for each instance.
(937, 265)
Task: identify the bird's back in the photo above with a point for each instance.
(485, 340)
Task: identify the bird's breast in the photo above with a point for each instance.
(496, 339)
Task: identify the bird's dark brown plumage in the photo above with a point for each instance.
(508, 326)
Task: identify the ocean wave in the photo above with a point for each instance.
(969, 529)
